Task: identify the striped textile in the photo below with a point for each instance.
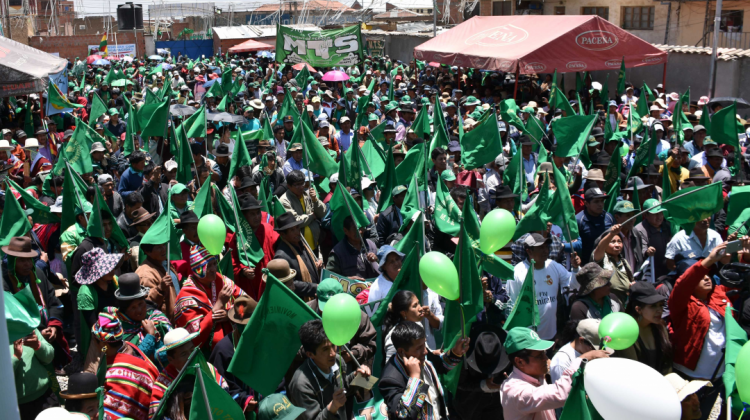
(166, 378)
(128, 385)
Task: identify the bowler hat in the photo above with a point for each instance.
(129, 287)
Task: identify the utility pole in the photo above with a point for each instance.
(434, 18)
(714, 52)
(669, 15)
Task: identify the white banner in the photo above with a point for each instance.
(120, 50)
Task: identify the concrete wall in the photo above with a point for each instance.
(399, 46)
(71, 47)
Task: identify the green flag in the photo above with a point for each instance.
(42, 214)
(561, 102)
(185, 161)
(221, 404)
(515, 177)
(695, 206)
(461, 313)
(58, 100)
(163, 231)
(482, 144)
(560, 210)
(644, 155)
(224, 104)
(509, 113)
(572, 133)
(94, 227)
(739, 200)
(604, 94)
(78, 149)
(553, 87)
(612, 194)
(21, 314)
(98, 108)
(578, 406)
(240, 157)
(351, 167)
(249, 249)
(271, 338)
(614, 168)
(679, 119)
(153, 119)
(14, 221)
(202, 202)
(150, 98)
(104, 212)
(525, 310)
(413, 162)
(389, 181)
(534, 128)
(342, 204)
(447, 213)
(375, 158)
(642, 105)
(666, 184)
(537, 217)
(131, 131)
(724, 131)
(736, 337)
(288, 107)
(621, 78)
(318, 159)
(646, 91)
(421, 125)
(411, 203)
(70, 201)
(705, 119)
(407, 279)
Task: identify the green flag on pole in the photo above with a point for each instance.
(525, 310)
(482, 144)
(14, 221)
(153, 119)
(724, 131)
(621, 78)
(221, 404)
(695, 206)
(578, 406)
(572, 133)
(736, 337)
(407, 279)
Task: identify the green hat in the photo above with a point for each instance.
(278, 407)
(254, 85)
(384, 99)
(709, 140)
(326, 290)
(652, 202)
(528, 110)
(178, 189)
(87, 208)
(521, 338)
(447, 175)
(113, 111)
(405, 100)
(71, 84)
(624, 206)
(248, 109)
(476, 115)
(372, 117)
(592, 142)
(472, 101)
(398, 190)
(390, 107)
(425, 101)
(208, 95)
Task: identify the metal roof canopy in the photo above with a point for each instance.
(254, 31)
(524, 44)
(25, 70)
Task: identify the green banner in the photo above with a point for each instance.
(329, 48)
(351, 286)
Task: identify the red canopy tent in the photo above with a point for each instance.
(250, 46)
(539, 44)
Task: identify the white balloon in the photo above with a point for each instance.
(623, 389)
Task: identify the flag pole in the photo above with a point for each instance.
(78, 195)
(199, 374)
(667, 201)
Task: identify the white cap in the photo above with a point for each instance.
(57, 207)
(684, 388)
(333, 178)
(269, 98)
(344, 119)
(323, 124)
(170, 165)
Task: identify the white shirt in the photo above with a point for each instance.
(547, 283)
(561, 360)
(711, 354)
(379, 289)
(700, 160)
(682, 242)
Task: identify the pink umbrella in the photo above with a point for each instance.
(434, 64)
(300, 66)
(90, 59)
(335, 76)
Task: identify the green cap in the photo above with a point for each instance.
(592, 142)
(113, 111)
(624, 206)
(709, 140)
(652, 202)
(405, 100)
(447, 175)
(425, 101)
(476, 115)
(178, 189)
(390, 107)
(87, 208)
(472, 101)
(398, 190)
(372, 117)
(528, 110)
(278, 407)
(384, 99)
(522, 338)
(326, 290)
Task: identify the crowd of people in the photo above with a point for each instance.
(117, 284)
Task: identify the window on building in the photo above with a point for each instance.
(559, 10)
(731, 20)
(501, 8)
(640, 17)
(602, 12)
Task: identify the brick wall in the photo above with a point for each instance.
(71, 47)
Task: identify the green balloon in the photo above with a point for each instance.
(212, 232)
(618, 331)
(341, 317)
(742, 373)
(497, 230)
(439, 274)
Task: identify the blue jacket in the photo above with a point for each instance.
(590, 228)
(129, 182)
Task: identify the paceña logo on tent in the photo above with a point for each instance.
(615, 63)
(498, 36)
(576, 65)
(652, 60)
(597, 40)
(535, 67)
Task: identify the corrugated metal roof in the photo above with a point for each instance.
(397, 13)
(310, 5)
(724, 54)
(254, 31)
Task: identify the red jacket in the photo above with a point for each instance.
(267, 238)
(690, 316)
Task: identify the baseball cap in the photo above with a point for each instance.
(624, 206)
(278, 407)
(593, 193)
(645, 293)
(652, 202)
(535, 239)
(447, 175)
(326, 290)
(589, 330)
(398, 190)
(522, 338)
